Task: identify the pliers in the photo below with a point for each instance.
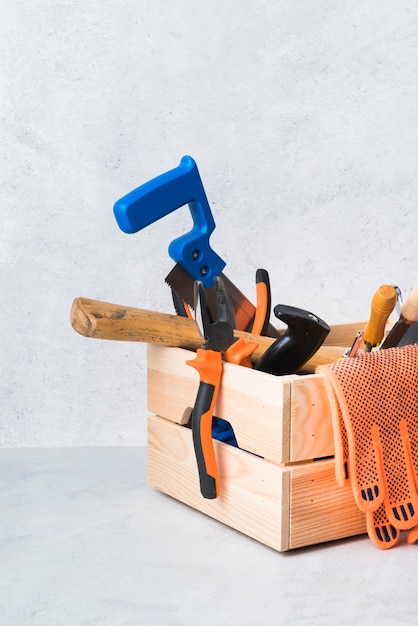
(218, 331)
(260, 325)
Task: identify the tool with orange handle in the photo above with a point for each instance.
(221, 429)
(219, 339)
(408, 317)
(263, 308)
(305, 334)
(383, 303)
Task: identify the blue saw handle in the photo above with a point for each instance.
(163, 195)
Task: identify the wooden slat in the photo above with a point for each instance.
(284, 507)
(251, 488)
(257, 405)
(310, 422)
(285, 419)
(171, 384)
(321, 510)
(343, 334)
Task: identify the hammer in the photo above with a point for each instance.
(103, 320)
(304, 336)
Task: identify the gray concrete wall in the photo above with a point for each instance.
(302, 118)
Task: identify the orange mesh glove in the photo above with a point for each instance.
(374, 404)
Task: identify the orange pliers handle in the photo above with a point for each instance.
(241, 352)
(209, 365)
(219, 340)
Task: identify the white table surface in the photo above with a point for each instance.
(85, 541)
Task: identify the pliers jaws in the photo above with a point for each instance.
(217, 328)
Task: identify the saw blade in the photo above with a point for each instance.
(410, 336)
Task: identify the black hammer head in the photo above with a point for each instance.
(304, 336)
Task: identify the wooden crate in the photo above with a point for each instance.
(279, 486)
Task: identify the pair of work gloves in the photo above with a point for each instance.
(374, 405)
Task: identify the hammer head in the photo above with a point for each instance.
(305, 334)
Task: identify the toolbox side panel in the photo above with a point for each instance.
(284, 419)
(284, 507)
(312, 435)
(271, 489)
(172, 385)
(254, 494)
(257, 405)
(321, 510)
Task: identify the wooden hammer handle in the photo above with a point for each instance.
(102, 320)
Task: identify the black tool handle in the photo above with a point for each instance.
(202, 441)
(305, 334)
(209, 365)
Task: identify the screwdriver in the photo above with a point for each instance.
(408, 316)
(383, 303)
(358, 340)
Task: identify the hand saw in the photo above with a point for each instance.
(195, 259)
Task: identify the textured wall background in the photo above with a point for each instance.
(302, 118)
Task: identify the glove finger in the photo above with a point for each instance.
(340, 434)
(401, 501)
(366, 469)
(383, 534)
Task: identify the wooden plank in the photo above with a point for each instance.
(257, 405)
(312, 435)
(343, 334)
(284, 419)
(251, 488)
(321, 510)
(284, 507)
(171, 384)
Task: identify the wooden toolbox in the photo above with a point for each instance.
(279, 486)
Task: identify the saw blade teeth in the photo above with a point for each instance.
(182, 283)
(176, 296)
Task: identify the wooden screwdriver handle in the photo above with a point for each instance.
(383, 303)
(102, 320)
